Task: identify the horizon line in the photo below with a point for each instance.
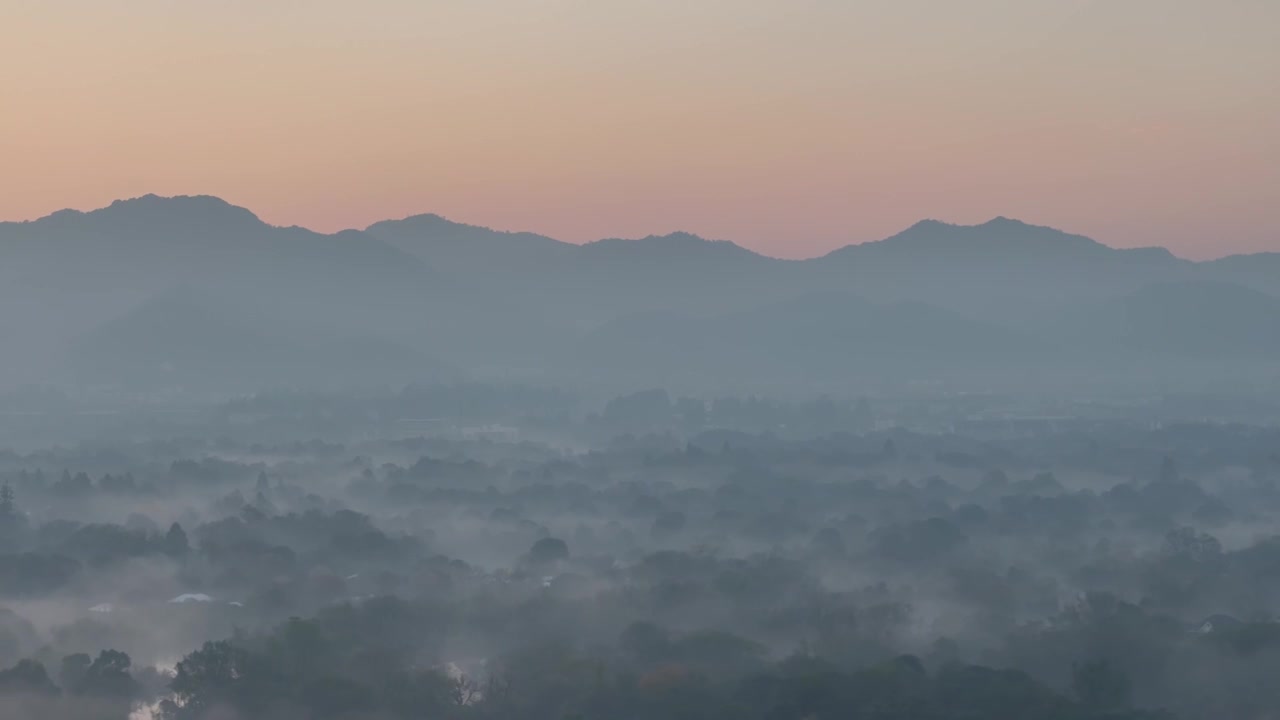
(365, 229)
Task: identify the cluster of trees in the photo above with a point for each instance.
(345, 664)
(677, 568)
(83, 687)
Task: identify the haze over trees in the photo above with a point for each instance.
(431, 470)
(528, 553)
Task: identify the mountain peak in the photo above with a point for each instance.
(679, 244)
(440, 241)
(1000, 221)
(420, 221)
(999, 232)
(434, 227)
(177, 210)
(678, 237)
(997, 223)
(999, 240)
(152, 200)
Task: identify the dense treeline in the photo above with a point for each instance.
(676, 569)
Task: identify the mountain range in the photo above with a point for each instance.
(195, 293)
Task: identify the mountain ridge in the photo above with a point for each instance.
(971, 303)
(998, 234)
(453, 229)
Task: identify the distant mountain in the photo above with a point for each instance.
(189, 338)
(446, 245)
(188, 238)
(999, 242)
(89, 266)
(830, 337)
(679, 247)
(677, 272)
(443, 243)
(92, 291)
(1002, 270)
(66, 274)
(1260, 271)
(1182, 320)
(500, 273)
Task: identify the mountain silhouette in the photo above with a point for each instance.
(152, 242)
(827, 338)
(935, 300)
(1003, 270)
(190, 338)
(1260, 271)
(674, 247)
(1191, 320)
(1001, 238)
(444, 244)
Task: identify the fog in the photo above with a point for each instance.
(509, 550)
(432, 470)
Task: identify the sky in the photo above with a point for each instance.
(789, 126)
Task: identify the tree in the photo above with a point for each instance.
(175, 541)
(548, 550)
(1187, 544)
(28, 677)
(668, 522)
(9, 517)
(219, 673)
(828, 542)
(74, 669)
(106, 676)
(425, 693)
(1100, 686)
(645, 642)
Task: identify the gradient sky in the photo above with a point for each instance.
(790, 126)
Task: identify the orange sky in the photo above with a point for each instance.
(790, 126)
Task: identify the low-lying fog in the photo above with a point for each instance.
(323, 556)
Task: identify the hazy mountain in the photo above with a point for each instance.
(677, 248)
(447, 245)
(582, 285)
(526, 305)
(93, 265)
(1002, 270)
(1260, 271)
(1192, 320)
(443, 243)
(192, 339)
(829, 337)
(1000, 243)
(83, 269)
(164, 240)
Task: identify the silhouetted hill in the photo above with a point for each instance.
(1002, 271)
(189, 238)
(514, 281)
(68, 273)
(1182, 320)
(829, 337)
(1260, 271)
(441, 242)
(678, 247)
(444, 244)
(189, 338)
(936, 300)
(999, 241)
